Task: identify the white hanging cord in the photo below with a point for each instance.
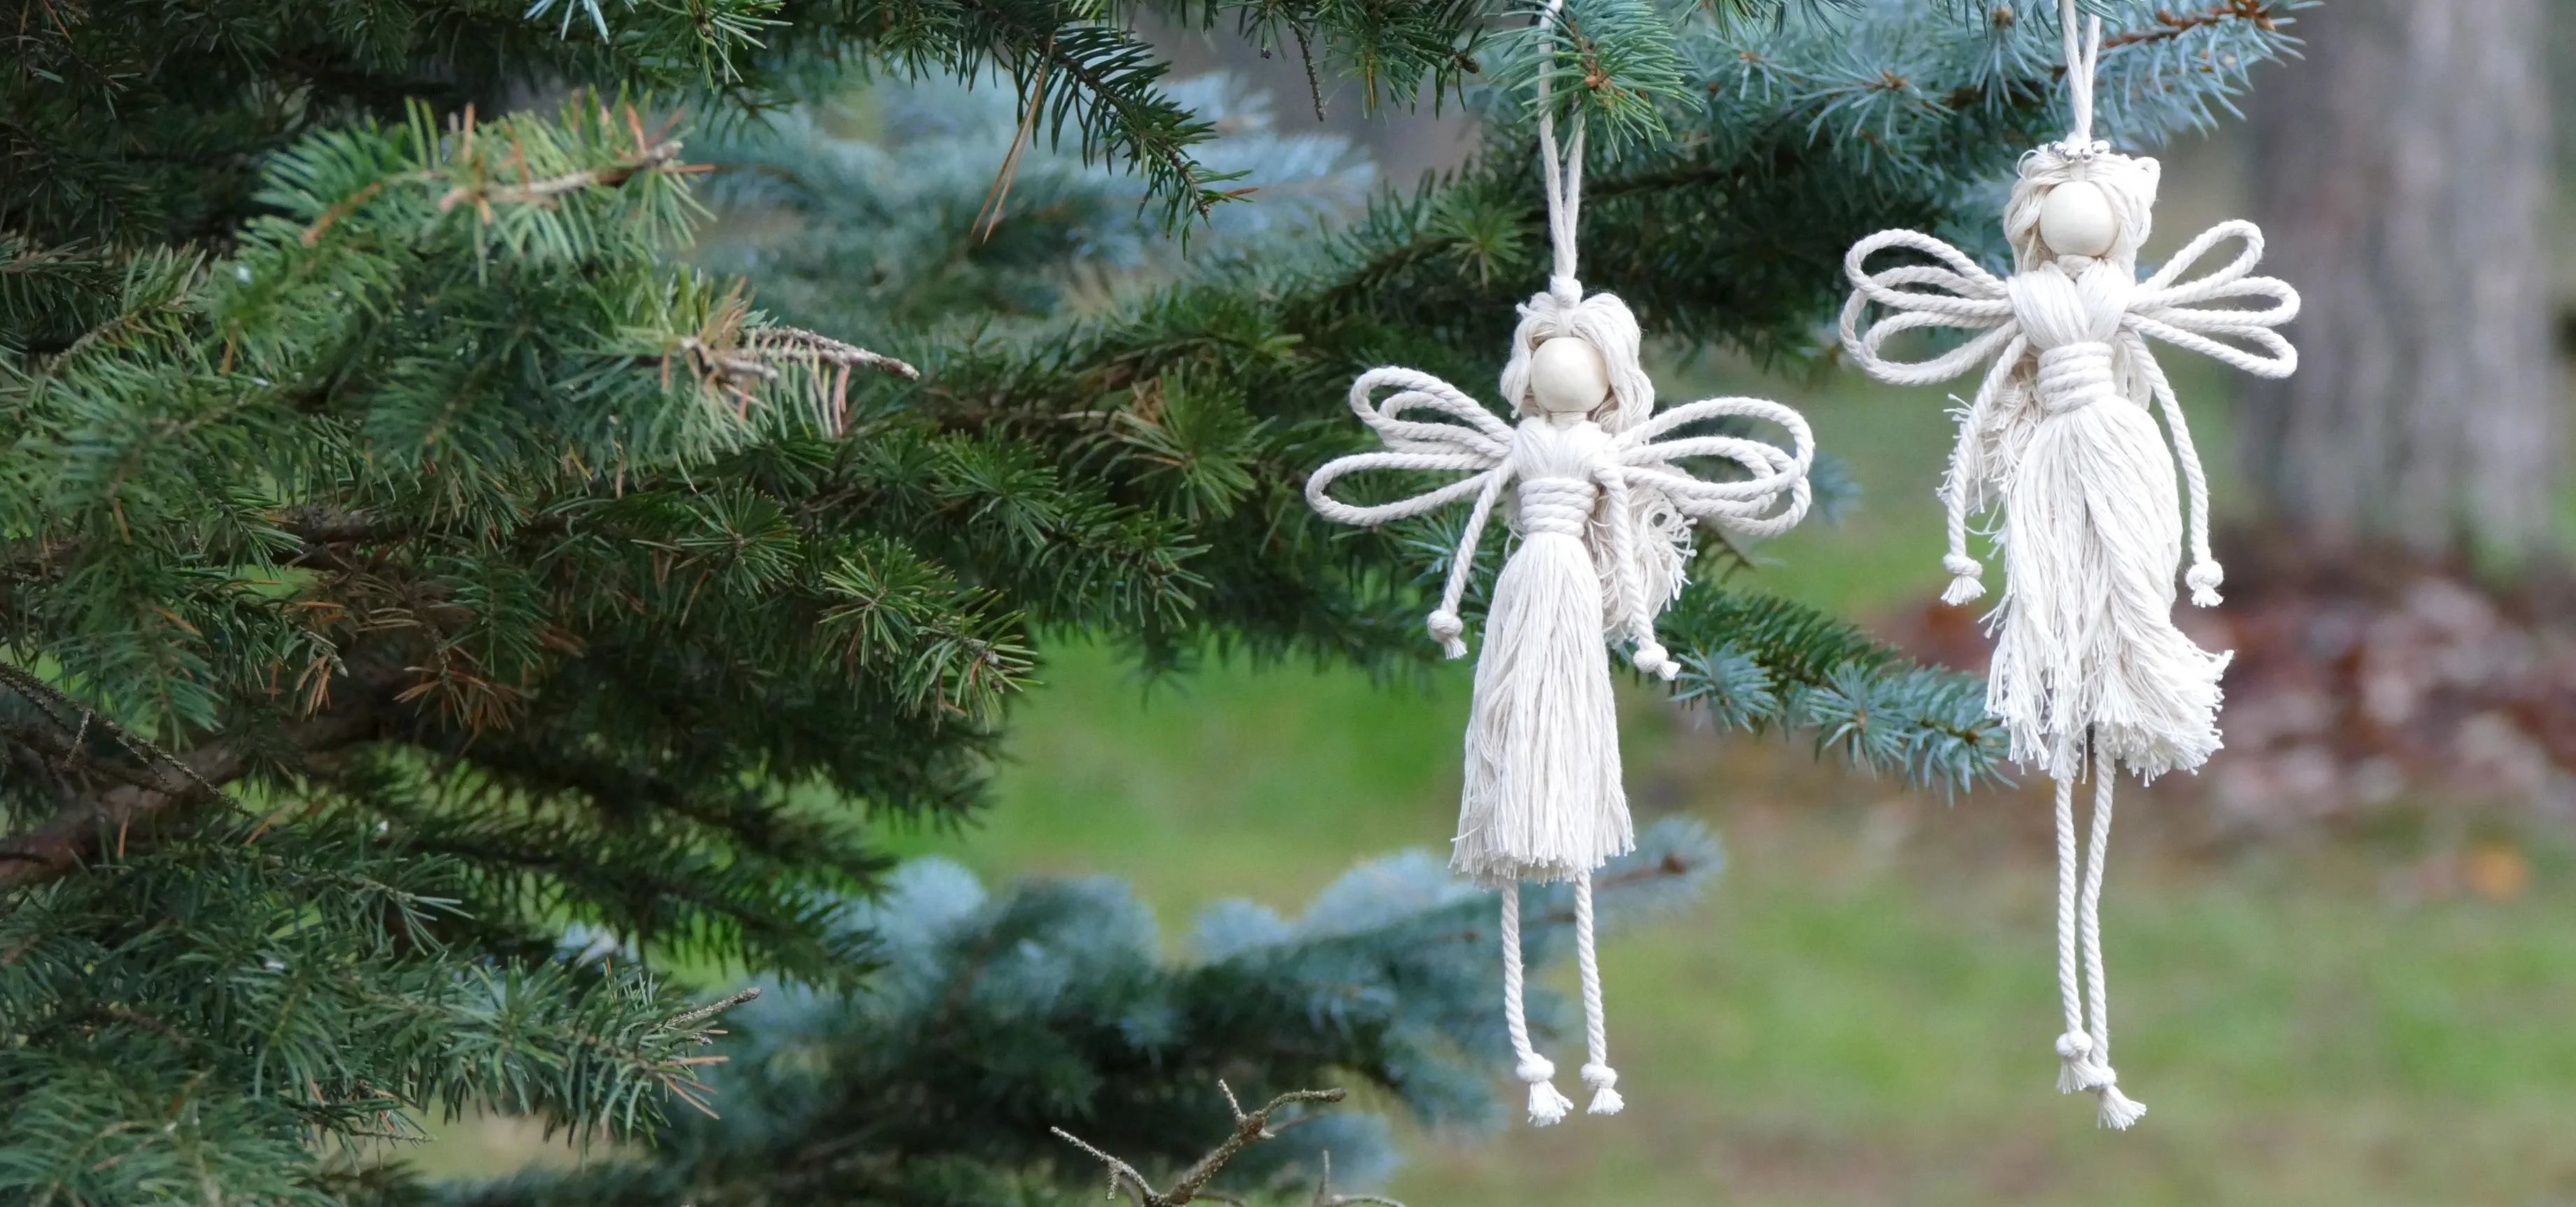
(1564, 173)
(2083, 54)
(1546, 1106)
(1597, 1072)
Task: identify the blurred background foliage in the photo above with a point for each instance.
(2336, 998)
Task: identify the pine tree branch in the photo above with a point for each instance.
(176, 783)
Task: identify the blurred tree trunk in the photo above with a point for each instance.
(2402, 179)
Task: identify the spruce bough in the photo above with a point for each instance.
(410, 552)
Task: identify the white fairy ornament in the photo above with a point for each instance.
(1603, 511)
(2089, 672)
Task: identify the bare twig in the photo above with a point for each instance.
(1324, 1196)
(2170, 24)
(1250, 1128)
(691, 1018)
(1033, 106)
(663, 159)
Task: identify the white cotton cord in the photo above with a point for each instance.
(1542, 798)
(1480, 444)
(1771, 498)
(2074, 1044)
(1597, 1072)
(2085, 641)
(2083, 56)
(1563, 174)
(2084, 1047)
(1959, 294)
(1634, 615)
(2089, 674)
(2205, 574)
(2091, 512)
(1546, 1105)
(2116, 1110)
(1604, 510)
(1445, 626)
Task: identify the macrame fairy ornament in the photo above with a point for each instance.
(1603, 512)
(2089, 672)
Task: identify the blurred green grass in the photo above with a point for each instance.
(1862, 1011)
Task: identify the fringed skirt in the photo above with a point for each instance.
(1542, 799)
(2085, 640)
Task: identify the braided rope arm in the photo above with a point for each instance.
(1479, 446)
(1971, 480)
(1955, 293)
(2166, 307)
(1770, 500)
(1635, 616)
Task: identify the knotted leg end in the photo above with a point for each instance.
(2118, 1111)
(1605, 1089)
(1546, 1105)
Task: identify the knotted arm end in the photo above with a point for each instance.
(1655, 660)
(1449, 631)
(1546, 1105)
(2118, 1112)
(2204, 578)
(1967, 579)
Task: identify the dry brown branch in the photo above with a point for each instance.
(1032, 108)
(663, 159)
(1250, 1128)
(2262, 14)
(691, 1018)
(729, 356)
(2171, 24)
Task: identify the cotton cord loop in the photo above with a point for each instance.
(1604, 503)
(1562, 174)
(2089, 675)
(2083, 57)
